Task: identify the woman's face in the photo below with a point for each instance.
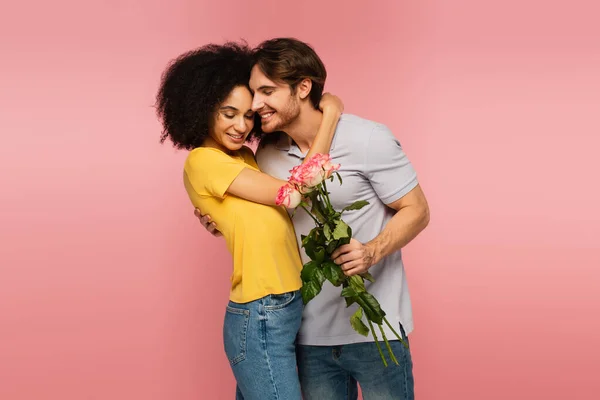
(234, 120)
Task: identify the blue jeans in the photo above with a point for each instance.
(331, 372)
(259, 339)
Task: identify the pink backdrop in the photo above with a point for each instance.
(109, 289)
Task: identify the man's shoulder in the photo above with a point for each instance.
(354, 132)
(353, 122)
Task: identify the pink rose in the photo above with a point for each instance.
(288, 196)
(325, 161)
(309, 174)
(313, 172)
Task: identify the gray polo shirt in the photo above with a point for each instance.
(373, 168)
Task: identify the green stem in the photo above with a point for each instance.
(387, 344)
(395, 333)
(377, 342)
(312, 216)
(323, 192)
(326, 193)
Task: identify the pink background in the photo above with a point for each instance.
(110, 289)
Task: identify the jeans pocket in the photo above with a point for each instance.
(235, 329)
(277, 301)
(403, 335)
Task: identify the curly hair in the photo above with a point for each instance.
(192, 87)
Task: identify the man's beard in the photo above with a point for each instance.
(285, 117)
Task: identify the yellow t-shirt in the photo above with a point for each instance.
(260, 238)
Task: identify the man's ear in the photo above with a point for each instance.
(304, 87)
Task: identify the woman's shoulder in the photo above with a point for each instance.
(208, 155)
(248, 155)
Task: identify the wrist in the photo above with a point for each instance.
(374, 251)
(332, 111)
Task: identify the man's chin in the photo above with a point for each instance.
(269, 129)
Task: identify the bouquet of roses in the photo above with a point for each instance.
(307, 188)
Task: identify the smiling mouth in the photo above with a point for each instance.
(267, 115)
(236, 137)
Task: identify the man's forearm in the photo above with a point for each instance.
(404, 226)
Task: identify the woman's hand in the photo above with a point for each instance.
(330, 103)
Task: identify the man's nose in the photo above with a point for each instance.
(257, 103)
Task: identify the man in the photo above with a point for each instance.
(287, 81)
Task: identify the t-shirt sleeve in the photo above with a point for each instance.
(211, 172)
(387, 167)
(249, 156)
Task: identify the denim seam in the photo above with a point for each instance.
(407, 360)
(280, 306)
(405, 376)
(347, 386)
(264, 341)
(243, 345)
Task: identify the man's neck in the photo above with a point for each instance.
(304, 130)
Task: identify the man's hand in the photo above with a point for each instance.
(354, 258)
(207, 223)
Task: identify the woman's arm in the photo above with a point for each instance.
(256, 186)
(332, 108)
(262, 188)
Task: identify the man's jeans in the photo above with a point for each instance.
(331, 372)
(259, 339)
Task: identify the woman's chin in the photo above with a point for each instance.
(234, 146)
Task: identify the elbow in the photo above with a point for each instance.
(424, 216)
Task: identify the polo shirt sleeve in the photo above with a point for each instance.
(387, 167)
(211, 172)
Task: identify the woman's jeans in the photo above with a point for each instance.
(259, 339)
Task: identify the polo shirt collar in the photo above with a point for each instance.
(285, 143)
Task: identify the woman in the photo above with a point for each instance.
(205, 105)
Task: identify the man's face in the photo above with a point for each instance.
(273, 101)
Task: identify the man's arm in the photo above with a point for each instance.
(394, 180)
(412, 216)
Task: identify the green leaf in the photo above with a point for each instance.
(371, 307)
(357, 324)
(327, 231)
(339, 177)
(350, 301)
(309, 291)
(366, 275)
(320, 237)
(319, 278)
(356, 282)
(310, 242)
(309, 237)
(349, 292)
(357, 205)
(344, 241)
(319, 254)
(333, 273)
(309, 248)
(331, 246)
(341, 230)
(308, 271)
